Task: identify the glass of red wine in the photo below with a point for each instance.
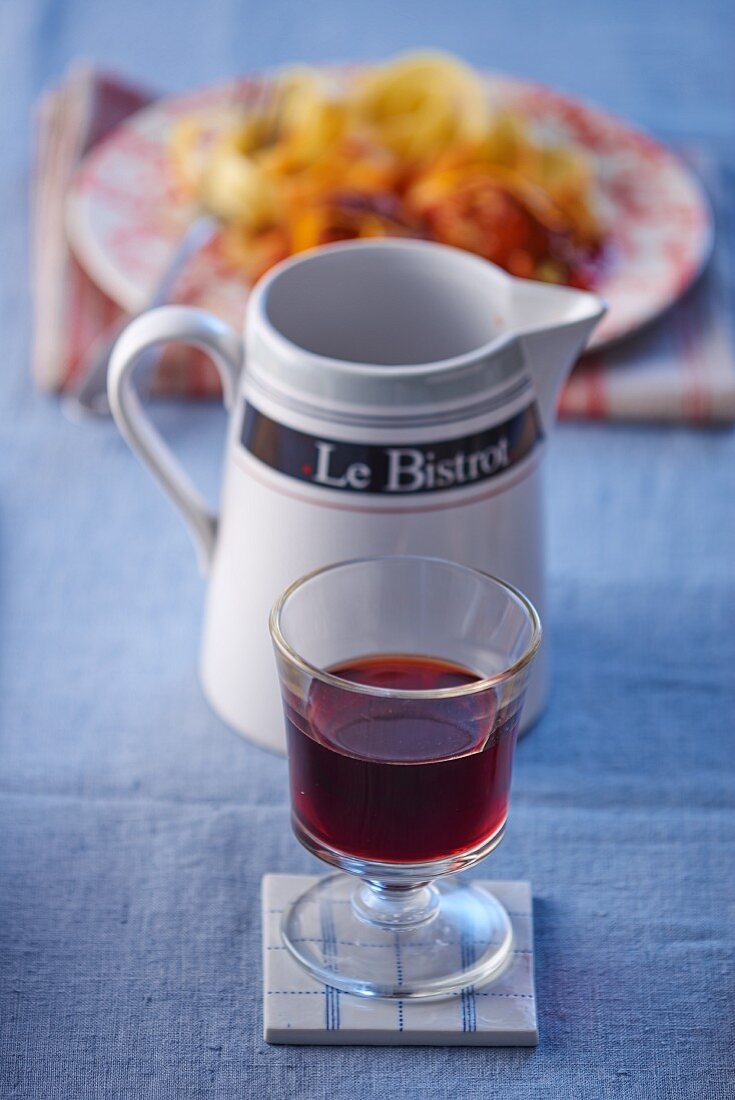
(403, 681)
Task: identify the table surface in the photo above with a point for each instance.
(135, 827)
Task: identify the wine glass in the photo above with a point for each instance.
(402, 681)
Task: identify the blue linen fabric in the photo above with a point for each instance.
(135, 827)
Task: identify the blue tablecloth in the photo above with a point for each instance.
(135, 828)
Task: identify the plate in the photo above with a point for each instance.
(126, 214)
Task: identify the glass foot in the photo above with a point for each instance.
(427, 940)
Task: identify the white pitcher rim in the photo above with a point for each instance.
(596, 306)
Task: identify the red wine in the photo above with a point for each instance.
(400, 780)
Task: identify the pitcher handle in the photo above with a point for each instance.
(187, 326)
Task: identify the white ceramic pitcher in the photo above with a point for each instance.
(388, 397)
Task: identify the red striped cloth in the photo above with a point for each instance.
(682, 369)
(70, 311)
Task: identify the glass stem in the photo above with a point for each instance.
(391, 906)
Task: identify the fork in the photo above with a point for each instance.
(89, 396)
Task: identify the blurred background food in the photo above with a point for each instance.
(413, 147)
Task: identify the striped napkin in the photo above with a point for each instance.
(680, 369)
(70, 312)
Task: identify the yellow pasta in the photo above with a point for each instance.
(421, 104)
(408, 148)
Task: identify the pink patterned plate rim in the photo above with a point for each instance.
(125, 214)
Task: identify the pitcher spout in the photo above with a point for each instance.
(553, 324)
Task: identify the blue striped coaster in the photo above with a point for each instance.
(298, 1009)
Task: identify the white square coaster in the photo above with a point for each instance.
(299, 1009)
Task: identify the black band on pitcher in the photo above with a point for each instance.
(392, 469)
